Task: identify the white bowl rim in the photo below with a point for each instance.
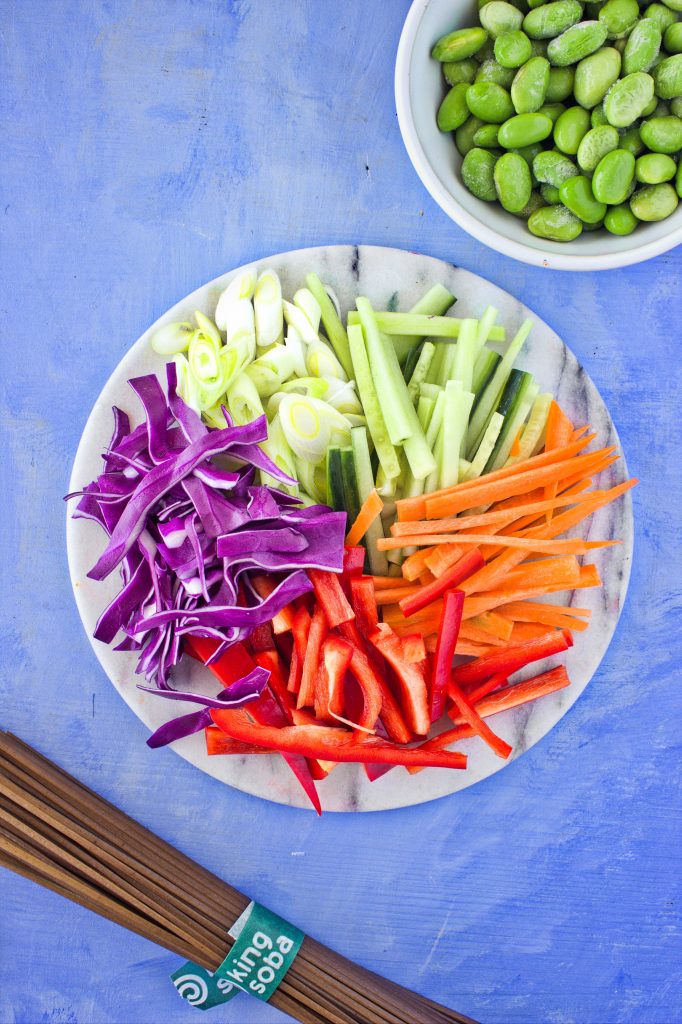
(471, 224)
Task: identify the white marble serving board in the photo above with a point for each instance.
(391, 278)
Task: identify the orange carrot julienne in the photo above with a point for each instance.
(589, 577)
(516, 443)
(441, 557)
(557, 435)
(369, 511)
(531, 611)
(527, 543)
(389, 582)
(396, 594)
(523, 631)
(494, 624)
(414, 566)
(480, 636)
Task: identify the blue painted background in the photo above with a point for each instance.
(149, 145)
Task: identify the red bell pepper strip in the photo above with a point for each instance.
(376, 694)
(448, 632)
(353, 560)
(336, 659)
(495, 682)
(218, 743)
(472, 718)
(411, 680)
(466, 566)
(331, 744)
(261, 638)
(311, 660)
(510, 659)
(233, 664)
(331, 597)
(414, 649)
(270, 660)
(364, 602)
(300, 631)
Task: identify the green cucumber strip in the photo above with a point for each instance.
(422, 326)
(420, 371)
(512, 399)
(351, 498)
(436, 302)
(433, 376)
(412, 360)
(378, 562)
(485, 326)
(335, 479)
(494, 388)
(464, 468)
(386, 453)
(336, 332)
(425, 407)
(533, 436)
(386, 485)
(517, 420)
(485, 448)
(455, 419)
(465, 355)
(430, 391)
(486, 363)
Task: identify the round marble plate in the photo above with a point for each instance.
(391, 278)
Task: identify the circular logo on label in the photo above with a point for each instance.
(192, 988)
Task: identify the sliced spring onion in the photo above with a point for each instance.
(172, 339)
(320, 361)
(334, 329)
(204, 359)
(271, 370)
(214, 415)
(295, 317)
(533, 434)
(421, 369)
(295, 345)
(485, 448)
(207, 327)
(421, 326)
(276, 446)
(240, 288)
(267, 305)
(187, 386)
(308, 304)
(243, 400)
(314, 387)
(465, 354)
(378, 562)
(241, 327)
(311, 426)
(386, 453)
(491, 395)
(342, 395)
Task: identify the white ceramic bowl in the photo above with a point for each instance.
(419, 89)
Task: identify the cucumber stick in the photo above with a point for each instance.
(423, 326)
(388, 457)
(516, 422)
(425, 408)
(420, 371)
(512, 401)
(485, 326)
(465, 355)
(485, 448)
(493, 392)
(336, 332)
(335, 495)
(436, 302)
(457, 407)
(484, 367)
(351, 498)
(532, 438)
(378, 563)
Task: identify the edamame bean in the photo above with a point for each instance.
(654, 202)
(512, 49)
(524, 130)
(539, 47)
(662, 134)
(593, 227)
(674, 5)
(555, 222)
(626, 100)
(619, 16)
(662, 109)
(655, 168)
(672, 40)
(667, 77)
(650, 107)
(595, 145)
(464, 136)
(529, 87)
(453, 111)
(460, 44)
(560, 85)
(642, 46)
(613, 177)
(550, 194)
(598, 117)
(553, 168)
(477, 173)
(487, 51)
(678, 180)
(536, 202)
(631, 140)
(512, 182)
(676, 106)
(570, 128)
(498, 17)
(594, 76)
(620, 220)
(552, 110)
(491, 71)
(576, 194)
(661, 16)
(486, 136)
(576, 42)
(489, 101)
(460, 71)
(551, 19)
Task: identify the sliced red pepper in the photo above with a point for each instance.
(218, 743)
(311, 660)
(473, 719)
(448, 632)
(414, 649)
(300, 631)
(466, 566)
(331, 597)
(353, 560)
(331, 744)
(233, 664)
(262, 639)
(410, 678)
(364, 601)
(363, 669)
(336, 658)
(495, 682)
(277, 682)
(510, 659)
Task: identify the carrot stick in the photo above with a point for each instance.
(523, 631)
(440, 558)
(536, 611)
(544, 571)
(580, 432)
(414, 565)
(572, 546)
(370, 510)
(493, 624)
(589, 577)
(389, 582)
(558, 434)
(467, 631)
(396, 594)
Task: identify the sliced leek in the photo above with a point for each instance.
(173, 338)
(277, 448)
(267, 305)
(334, 329)
(312, 426)
(240, 288)
(243, 400)
(271, 370)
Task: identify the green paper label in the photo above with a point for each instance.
(265, 948)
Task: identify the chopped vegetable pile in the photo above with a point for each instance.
(331, 523)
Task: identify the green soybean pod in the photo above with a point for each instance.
(594, 76)
(676, 106)
(560, 85)
(556, 223)
(642, 47)
(619, 16)
(577, 196)
(464, 136)
(491, 71)
(668, 77)
(613, 176)
(655, 168)
(570, 128)
(550, 193)
(486, 136)
(632, 141)
(477, 174)
(672, 40)
(453, 111)
(553, 168)
(524, 130)
(576, 42)
(595, 145)
(662, 134)
(460, 44)
(628, 98)
(489, 101)
(512, 49)
(597, 116)
(498, 17)
(460, 71)
(529, 87)
(512, 182)
(654, 202)
(552, 110)
(620, 220)
(551, 19)
(661, 15)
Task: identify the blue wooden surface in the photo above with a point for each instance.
(148, 146)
